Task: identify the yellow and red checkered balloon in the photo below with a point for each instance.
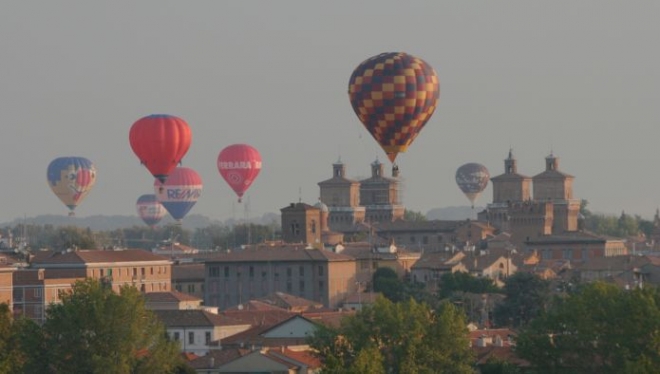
(394, 94)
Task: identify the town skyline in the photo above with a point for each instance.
(574, 80)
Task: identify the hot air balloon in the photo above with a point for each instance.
(71, 179)
(150, 210)
(180, 191)
(394, 95)
(239, 165)
(160, 141)
(472, 179)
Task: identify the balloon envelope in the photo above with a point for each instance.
(71, 179)
(160, 141)
(180, 191)
(394, 95)
(149, 209)
(472, 179)
(239, 165)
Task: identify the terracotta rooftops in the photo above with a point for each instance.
(83, 257)
(281, 253)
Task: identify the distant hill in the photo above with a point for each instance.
(109, 223)
(195, 221)
(454, 213)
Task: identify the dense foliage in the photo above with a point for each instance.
(62, 238)
(404, 337)
(92, 330)
(527, 296)
(600, 328)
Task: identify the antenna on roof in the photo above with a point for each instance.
(300, 194)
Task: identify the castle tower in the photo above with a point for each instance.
(301, 223)
(557, 187)
(380, 196)
(342, 197)
(510, 186)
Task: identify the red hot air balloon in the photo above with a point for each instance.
(160, 141)
(394, 95)
(239, 165)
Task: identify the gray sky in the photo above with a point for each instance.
(579, 78)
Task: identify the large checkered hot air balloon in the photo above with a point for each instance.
(239, 165)
(160, 141)
(472, 179)
(394, 94)
(71, 179)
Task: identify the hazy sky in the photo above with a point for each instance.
(578, 78)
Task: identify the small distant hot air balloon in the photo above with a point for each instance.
(239, 165)
(394, 95)
(160, 141)
(180, 191)
(150, 210)
(71, 179)
(472, 179)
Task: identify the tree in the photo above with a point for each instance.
(598, 329)
(413, 216)
(405, 337)
(527, 296)
(464, 282)
(94, 330)
(387, 282)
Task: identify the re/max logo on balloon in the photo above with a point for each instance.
(239, 164)
(183, 193)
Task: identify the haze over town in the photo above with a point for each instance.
(578, 79)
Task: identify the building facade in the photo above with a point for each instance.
(235, 277)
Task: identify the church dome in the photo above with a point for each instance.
(322, 207)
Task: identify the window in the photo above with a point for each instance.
(301, 286)
(320, 270)
(226, 271)
(191, 288)
(207, 337)
(214, 272)
(289, 287)
(301, 271)
(176, 337)
(288, 272)
(37, 292)
(191, 338)
(251, 271)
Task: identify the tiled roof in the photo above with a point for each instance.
(408, 226)
(216, 358)
(282, 253)
(194, 318)
(46, 258)
(511, 176)
(435, 260)
(290, 302)
(572, 237)
(298, 206)
(305, 357)
(552, 174)
(187, 272)
(169, 297)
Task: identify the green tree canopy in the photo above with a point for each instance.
(464, 282)
(527, 296)
(598, 329)
(405, 337)
(94, 330)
